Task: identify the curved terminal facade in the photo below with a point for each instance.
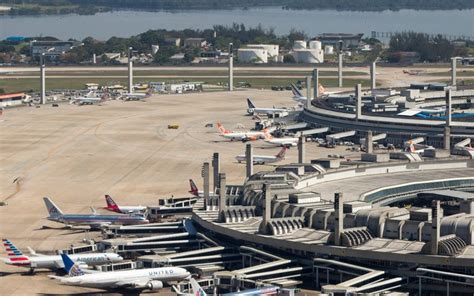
(384, 114)
(354, 215)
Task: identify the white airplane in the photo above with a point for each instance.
(88, 100)
(287, 141)
(298, 96)
(140, 279)
(17, 258)
(253, 110)
(264, 159)
(114, 207)
(195, 191)
(136, 96)
(241, 136)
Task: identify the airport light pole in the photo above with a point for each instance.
(339, 68)
(130, 70)
(316, 93)
(231, 67)
(42, 79)
(43, 75)
(453, 70)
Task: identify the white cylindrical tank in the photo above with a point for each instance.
(252, 55)
(272, 49)
(154, 49)
(299, 44)
(329, 49)
(308, 56)
(315, 44)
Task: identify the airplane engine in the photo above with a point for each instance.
(154, 285)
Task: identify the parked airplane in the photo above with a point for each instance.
(17, 258)
(300, 98)
(286, 141)
(114, 207)
(195, 191)
(253, 110)
(241, 136)
(262, 291)
(137, 96)
(264, 159)
(88, 100)
(140, 279)
(93, 220)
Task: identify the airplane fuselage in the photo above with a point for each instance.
(127, 278)
(77, 219)
(55, 261)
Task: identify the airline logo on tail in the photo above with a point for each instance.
(111, 205)
(296, 92)
(321, 89)
(194, 190)
(281, 154)
(149, 93)
(15, 256)
(221, 129)
(197, 289)
(72, 268)
(53, 210)
(267, 135)
(250, 104)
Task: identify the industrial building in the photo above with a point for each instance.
(252, 55)
(311, 54)
(195, 42)
(273, 50)
(349, 40)
(51, 48)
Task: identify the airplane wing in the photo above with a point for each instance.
(34, 254)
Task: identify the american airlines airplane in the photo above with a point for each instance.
(137, 96)
(195, 191)
(287, 141)
(88, 100)
(253, 110)
(114, 207)
(93, 220)
(264, 159)
(140, 279)
(298, 96)
(241, 136)
(17, 258)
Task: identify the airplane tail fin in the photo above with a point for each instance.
(194, 190)
(321, 88)
(267, 134)
(282, 153)
(250, 104)
(149, 92)
(71, 268)
(296, 92)
(53, 209)
(111, 204)
(197, 289)
(15, 256)
(221, 129)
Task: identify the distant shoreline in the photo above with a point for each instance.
(41, 10)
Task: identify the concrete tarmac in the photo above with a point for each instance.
(76, 154)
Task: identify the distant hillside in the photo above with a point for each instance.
(357, 5)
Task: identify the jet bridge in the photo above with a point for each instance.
(341, 135)
(313, 131)
(359, 279)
